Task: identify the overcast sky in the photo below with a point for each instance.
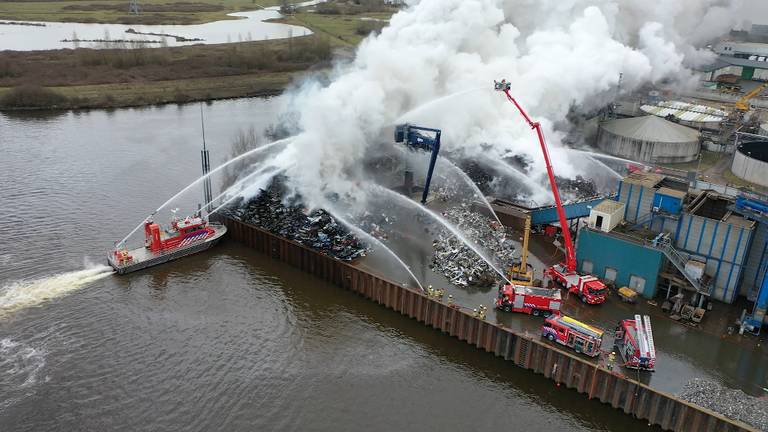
(756, 11)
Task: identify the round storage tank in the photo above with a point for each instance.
(750, 162)
(649, 139)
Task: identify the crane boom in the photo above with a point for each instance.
(570, 255)
(743, 103)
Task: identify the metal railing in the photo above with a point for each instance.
(664, 244)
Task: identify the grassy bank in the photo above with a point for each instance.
(149, 93)
(127, 77)
(116, 11)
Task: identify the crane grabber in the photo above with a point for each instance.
(589, 289)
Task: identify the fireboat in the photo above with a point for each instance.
(184, 237)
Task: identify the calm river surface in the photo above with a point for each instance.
(226, 340)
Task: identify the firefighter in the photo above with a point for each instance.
(611, 360)
(450, 300)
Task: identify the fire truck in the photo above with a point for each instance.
(634, 342)
(574, 334)
(589, 288)
(531, 300)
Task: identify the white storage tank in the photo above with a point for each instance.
(649, 139)
(606, 215)
(750, 162)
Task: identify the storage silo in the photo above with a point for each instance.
(649, 139)
(750, 162)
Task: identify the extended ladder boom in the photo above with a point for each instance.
(649, 336)
(642, 342)
(570, 255)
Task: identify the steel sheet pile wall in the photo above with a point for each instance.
(524, 351)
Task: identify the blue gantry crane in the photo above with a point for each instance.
(421, 138)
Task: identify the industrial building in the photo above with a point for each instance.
(658, 233)
(750, 162)
(748, 60)
(648, 139)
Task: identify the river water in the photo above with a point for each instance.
(225, 340)
(249, 26)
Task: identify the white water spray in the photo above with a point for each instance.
(262, 183)
(603, 165)
(376, 241)
(455, 231)
(412, 115)
(608, 157)
(200, 179)
(471, 184)
(28, 293)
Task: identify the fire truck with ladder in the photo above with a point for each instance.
(574, 334)
(526, 299)
(589, 288)
(634, 342)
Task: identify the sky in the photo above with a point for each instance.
(756, 11)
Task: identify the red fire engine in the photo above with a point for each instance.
(634, 342)
(574, 334)
(590, 289)
(530, 300)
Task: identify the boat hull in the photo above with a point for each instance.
(150, 259)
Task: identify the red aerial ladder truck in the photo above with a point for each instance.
(589, 288)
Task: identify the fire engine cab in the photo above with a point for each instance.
(589, 288)
(574, 334)
(531, 300)
(634, 342)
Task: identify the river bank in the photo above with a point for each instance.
(121, 77)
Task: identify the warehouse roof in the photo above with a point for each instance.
(645, 179)
(608, 206)
(671, 192)
(651, 128)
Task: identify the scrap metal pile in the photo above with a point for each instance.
(318, 229)
(731, 403)
(457, 262)
(576, 188)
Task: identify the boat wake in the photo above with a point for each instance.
(28, 293)
(21, 367)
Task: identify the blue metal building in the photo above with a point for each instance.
(623, 260)
(705, 228)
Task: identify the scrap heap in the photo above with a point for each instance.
(457, 262)
(318, 229)
(731, 403)
(576, 188)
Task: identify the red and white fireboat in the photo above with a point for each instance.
(184, 237)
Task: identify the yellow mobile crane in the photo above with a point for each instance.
(520, 274)
(743, 103)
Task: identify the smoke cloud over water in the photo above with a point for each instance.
(558, 54)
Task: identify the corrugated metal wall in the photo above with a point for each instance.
(624, 256)
(723, 247)
(755, 267)
(638, 201)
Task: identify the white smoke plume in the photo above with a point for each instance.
(557, 54)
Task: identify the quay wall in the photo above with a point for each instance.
(528, 352)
